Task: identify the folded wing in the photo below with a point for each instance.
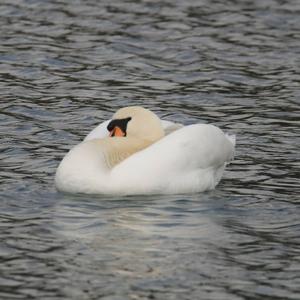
(192, 157)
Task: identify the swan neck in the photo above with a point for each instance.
(118, 149)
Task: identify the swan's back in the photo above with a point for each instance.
(190, 159)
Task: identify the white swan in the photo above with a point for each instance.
(137, 153)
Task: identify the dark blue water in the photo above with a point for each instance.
(65, 66)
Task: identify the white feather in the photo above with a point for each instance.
(187, 159)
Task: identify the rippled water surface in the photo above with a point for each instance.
(68, 65)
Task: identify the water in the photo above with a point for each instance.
(68, 65)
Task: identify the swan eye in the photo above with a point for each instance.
(118, 127)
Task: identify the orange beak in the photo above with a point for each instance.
(117, 131)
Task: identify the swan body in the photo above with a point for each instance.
(169, 158)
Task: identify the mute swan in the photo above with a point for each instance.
(137, 153)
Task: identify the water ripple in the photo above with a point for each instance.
(65, 67)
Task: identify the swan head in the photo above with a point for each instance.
(136, 122)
